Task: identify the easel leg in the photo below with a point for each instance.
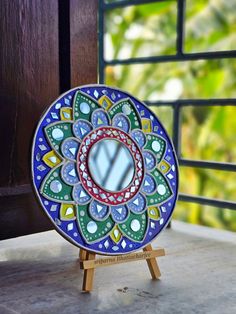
(82, 255)
(152, 264)
(88, 274)
(88, 263)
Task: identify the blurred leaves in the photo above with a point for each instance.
(210, 25)
(208, 133)
(132, 31)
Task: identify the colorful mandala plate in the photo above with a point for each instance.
(104, 170)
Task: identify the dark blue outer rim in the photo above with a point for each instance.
(64, 235)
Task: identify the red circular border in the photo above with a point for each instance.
(97, 192)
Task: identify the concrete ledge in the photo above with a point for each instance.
(40, 274)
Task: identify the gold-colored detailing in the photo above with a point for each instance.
(164, 166)
(67, 212)
(66, 113)
(146, 125)
(105, 102)
(154, 212)
(115, 234)
(51, 159)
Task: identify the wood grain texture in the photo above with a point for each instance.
(30, 69)
(126, 258)
(29, 75)
(83, 39)
(21, 215)
(88, 274)
(82, 254)
(152, 263)
(88, 263)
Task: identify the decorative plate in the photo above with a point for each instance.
(104, 170)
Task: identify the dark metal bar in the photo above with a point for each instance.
(193, 102)
(174, 58)
(207, 164)
(179, 48)
(101, 25)
(177, 104)
(176, 130)
(180, 27)
(126, 3)
(128, 168)
(112, 161)
(207, 201)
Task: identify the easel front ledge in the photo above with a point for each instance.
(88, 263)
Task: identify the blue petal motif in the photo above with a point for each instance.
(79, 194)
(69, 148)
(119, 213)
(139, 137)
(149, 159)
(81, 128)
(138, 204)
(69, 173)
(98, 211)
(100, 118)
(122, 122)
(149, 184)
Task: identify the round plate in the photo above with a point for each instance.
(85, 213)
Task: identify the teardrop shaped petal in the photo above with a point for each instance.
(127, 107)
(139, 137)
(149, 159)
(69, 148)
(163, 191)
(57, 132)
(119, 213)
(81, 128)
(54, 188)
(137, 204)
(69, 173)
(157, 145)
(67, 212)
(135, 227)
(149, 184)
(98, 211)
(83, 106)
(154, 212)
(79, 194)
(92, 230)
(116, 235)
(100, 118)
(122, 122)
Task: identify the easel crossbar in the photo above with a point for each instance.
(118, 259)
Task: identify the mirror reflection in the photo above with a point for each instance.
(111, 165)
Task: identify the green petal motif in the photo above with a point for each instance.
(157, 145)
(83, 106)
(92, 230)
(55, 189)
(57, 132)
(127, 108)
(135, 226)
(163, 190)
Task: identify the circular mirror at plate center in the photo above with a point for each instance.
(111, 165)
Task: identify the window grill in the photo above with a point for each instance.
(177, 105)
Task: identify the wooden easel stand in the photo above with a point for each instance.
(88, 263)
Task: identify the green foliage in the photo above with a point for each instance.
(208, 133)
